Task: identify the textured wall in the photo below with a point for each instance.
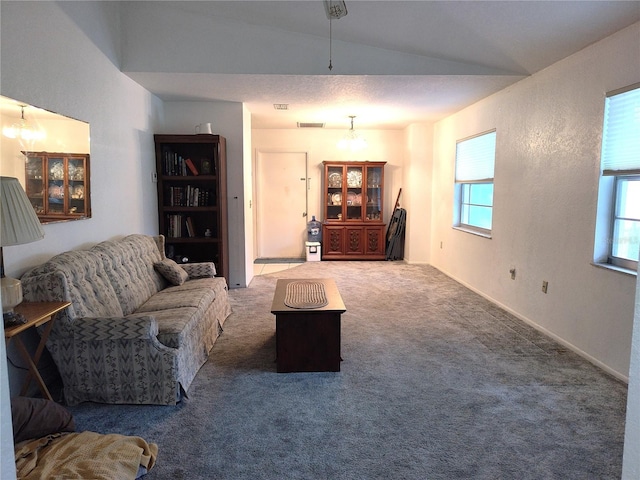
(67, 63)
(549, 129)
(631, 463)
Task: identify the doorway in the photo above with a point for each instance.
(281, 204)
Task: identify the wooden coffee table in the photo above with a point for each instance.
(308, 339)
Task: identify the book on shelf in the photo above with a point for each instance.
(191, 166)
(190, 230)
(188, 196)
(174, 226)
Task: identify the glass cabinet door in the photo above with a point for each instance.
(34, 180)
(76, 176)
(335, 180)
(354, 192)
(375, 181)
(56, 193)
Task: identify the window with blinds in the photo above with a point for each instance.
(621, 165)
(475, 160)
(621, 133)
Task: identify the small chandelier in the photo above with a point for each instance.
(352, 141)
(23, 131)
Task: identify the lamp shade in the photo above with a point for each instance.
(18, 221)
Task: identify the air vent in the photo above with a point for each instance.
(281, 106)
(310, 125)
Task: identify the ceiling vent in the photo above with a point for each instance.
(281, 106)
(310, 125)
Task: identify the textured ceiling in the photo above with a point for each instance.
(395, 62)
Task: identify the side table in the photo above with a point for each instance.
(35, 314)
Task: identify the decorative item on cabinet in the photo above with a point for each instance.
(353, 227)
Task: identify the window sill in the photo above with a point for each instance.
(473, 231)
(608, 266)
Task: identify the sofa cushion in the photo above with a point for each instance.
(77, 276)
(129, 264)
(177, 312)
(217, 284)
(174, 273)
(175, 325)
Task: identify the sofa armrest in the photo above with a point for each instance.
(133, 327)
(114, 360)
(200, 270)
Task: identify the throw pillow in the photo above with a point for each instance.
(170, 270)
(38, 417)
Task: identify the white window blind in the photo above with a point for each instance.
(621, 133)
(475, 158)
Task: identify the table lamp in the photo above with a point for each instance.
(18, 224)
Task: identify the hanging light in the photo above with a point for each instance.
(352, 141)
(23, 131)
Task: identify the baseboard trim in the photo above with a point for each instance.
(543, 330)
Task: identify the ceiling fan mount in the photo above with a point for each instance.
(335, 9)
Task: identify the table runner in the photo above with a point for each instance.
(305, 294)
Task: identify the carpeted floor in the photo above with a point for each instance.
(436, 383)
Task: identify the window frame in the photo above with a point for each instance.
(611, 174)
(612, 259)
(460, 185)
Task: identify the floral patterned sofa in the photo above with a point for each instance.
(132, 334)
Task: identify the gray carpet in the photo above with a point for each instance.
(436, 383)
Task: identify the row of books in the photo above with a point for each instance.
(175, 164)
(189, 196)
(179, 226)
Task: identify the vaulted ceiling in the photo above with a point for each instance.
(394, 62)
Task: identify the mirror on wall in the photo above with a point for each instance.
(49, 154)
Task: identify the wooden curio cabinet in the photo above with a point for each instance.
(192, 198)
(57, 185)
(353, 227)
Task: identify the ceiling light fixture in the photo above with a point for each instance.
(23, 131)
(334, 9)
(352, 141)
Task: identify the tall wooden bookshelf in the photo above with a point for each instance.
(192, 198)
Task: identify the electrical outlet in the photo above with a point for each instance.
(545, 285)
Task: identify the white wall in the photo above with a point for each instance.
(63, 57)
(416, 192)
(549, 129)
(631, 460)
(227, 119)
(247, 162)
(65, 63)
(7, 459)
